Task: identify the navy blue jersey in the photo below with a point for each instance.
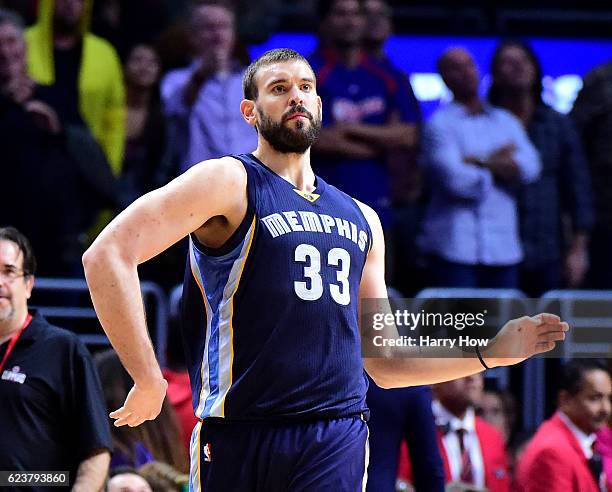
(270, 319)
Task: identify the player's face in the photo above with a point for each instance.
(288, 110)
(12, 51)
(589, 409)
(15, 289)
(514, 69)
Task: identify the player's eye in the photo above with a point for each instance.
(306, 87)
(278, 89)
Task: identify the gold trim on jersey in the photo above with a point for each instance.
(311, 197)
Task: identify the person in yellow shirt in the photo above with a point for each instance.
(82, 73)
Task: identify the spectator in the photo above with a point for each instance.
(562, 457)
(593, 116)
(472, 450)
(81, 71)
(147, 162)
(143, 166)
(158, 440)
(123, 24)
(516, 448)
(476, 157)
(200, 101)
(400, 416)
(498, 409)
(163, 478)
(404, 270)
(25, 8)
(368, 115)
(51, 402)
(126, 479)
(564, 184)
(35, 144)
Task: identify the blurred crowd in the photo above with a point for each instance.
(495, 192)
(103, 102)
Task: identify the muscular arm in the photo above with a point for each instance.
(92, 472)
(408, 366)
(146, 228)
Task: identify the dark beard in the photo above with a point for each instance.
(286, 140)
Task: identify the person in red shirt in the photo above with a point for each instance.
(562, 456)
(472, 450)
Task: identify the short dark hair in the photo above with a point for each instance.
(573, 372)
(249, 85)
(22, 242)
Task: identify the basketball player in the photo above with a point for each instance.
(278, 262)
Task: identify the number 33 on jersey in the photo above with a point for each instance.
(285, 287)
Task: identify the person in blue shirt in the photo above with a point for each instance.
(476, 157)
(200, 100)
(367, 116)
(406, 270)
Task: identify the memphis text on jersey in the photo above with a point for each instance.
(282, 223)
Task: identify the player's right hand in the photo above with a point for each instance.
(143, 402)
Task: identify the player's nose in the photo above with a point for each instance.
(295, 95)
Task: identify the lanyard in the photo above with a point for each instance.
(13, 342)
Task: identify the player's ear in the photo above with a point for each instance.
(320, 106)
(247, 108)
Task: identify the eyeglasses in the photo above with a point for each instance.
(11, 275)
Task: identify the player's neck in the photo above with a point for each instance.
(295, 168)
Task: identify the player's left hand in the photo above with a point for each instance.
(143, 403)
(524, 337)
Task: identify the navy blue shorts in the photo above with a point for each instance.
(325, 455)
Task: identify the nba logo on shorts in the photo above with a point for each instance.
(207, 453)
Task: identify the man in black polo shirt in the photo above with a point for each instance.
(52, 411)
